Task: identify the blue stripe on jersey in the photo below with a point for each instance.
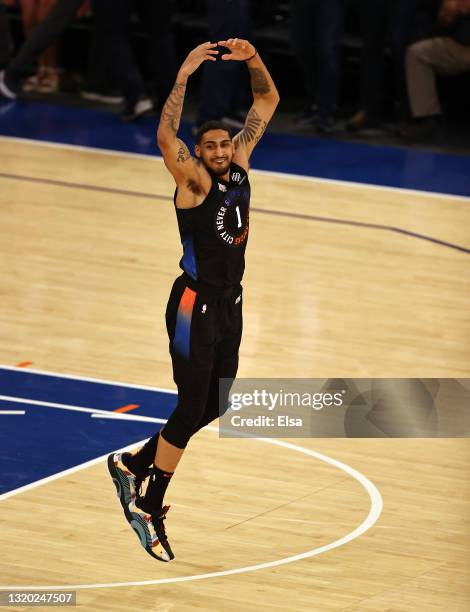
(189, 257)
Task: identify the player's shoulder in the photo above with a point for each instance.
(238, 175)
(240, 164)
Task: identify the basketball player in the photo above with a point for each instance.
(204, 312)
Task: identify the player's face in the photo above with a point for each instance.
(216, 151)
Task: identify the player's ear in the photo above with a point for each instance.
(197, 151)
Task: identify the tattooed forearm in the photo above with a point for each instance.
(171, 113)
(183, 152)
(259, 83)
(253, 130)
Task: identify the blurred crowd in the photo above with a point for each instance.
(404, 45)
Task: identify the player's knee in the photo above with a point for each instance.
(176, 435)
(183, 423)
(178, 432)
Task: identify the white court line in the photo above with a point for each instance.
(12, 412)
(87, 379)
(376, 505)
(122, 416)
(24, 400)
(67, 472)
(94, 412)
(304, 177)
(119, 416)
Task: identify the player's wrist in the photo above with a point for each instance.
(182, 76)
(248, 59)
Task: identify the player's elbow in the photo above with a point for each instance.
(164, 139)
(268, 105)
(272, 100)
(276, 97)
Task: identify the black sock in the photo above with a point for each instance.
(158, 483)
(144, 458)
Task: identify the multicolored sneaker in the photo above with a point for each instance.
(147, 523)
(150, 529)
(128, 485)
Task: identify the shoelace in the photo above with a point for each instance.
(139, 481)
(158, 524)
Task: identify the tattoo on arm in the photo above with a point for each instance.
(183, 152)
(253, 130)
(171, 113)
(259, 82)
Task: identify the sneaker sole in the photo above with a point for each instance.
(4, 90)
(135, 520)
(96, 97)
(121, 487)
(140, 527)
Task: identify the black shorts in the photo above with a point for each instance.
(204, 327)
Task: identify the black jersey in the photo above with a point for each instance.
(214, 234)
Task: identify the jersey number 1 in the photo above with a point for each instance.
(238, 217)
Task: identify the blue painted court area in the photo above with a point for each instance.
(48, 439)
(317, 157)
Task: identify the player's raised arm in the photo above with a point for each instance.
(265, 94)
(175, 153)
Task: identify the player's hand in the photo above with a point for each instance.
(448, 12)
(85, 9)
(197, 56)
(240, 50)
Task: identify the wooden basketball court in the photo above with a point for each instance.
(88, 254)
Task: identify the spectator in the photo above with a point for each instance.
(48, 30)
(316, 31)
(157, 17)
(383, 21)
(46, 78)
(6, 43)
(112, 49)
(448, 53)
(111, 41)
(225, 85)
